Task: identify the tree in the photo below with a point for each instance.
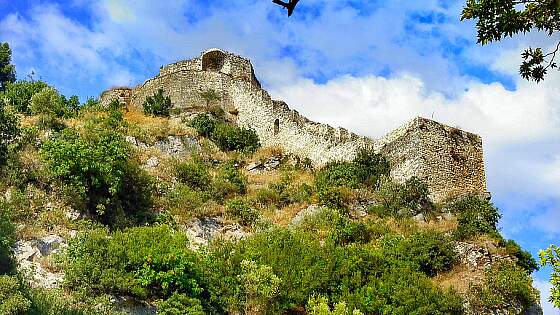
(8, 131)
(497, 19)
(551, 257)
(7, 69)
(210, 96)
(158, 104)
(259, 284)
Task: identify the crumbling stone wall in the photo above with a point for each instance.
(120, 94)
(448, 159)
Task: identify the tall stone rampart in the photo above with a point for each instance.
(448, 159)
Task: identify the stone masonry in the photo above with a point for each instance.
(449, 160)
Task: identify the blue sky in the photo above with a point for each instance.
(368, 66)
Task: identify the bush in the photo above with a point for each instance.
(229, 181)
(13, 299)
(475, 216)
(403, 200)
(346, 231)
(19, 94)
(259, 286)
(505, 287)
(180, 304)
(204, 124)
(239, 210)
(194, 174)
(96, 170)
(157, 104)
(142, 262)
(524, 258)
(9, 131)
(232, 138)
(7, 239)
(430, 251)
(333, 179)
(186, 201)
(48, 102)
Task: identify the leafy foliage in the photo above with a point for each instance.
(506, 284)
(497, 19)
(180, 304)
(229, 181)
(9, 131)
(19, 94)
(194, 174)
(143, 261)
(13, 300)
(551, 257)
(320, 306)
(227, 136)
(336, 177)
(259, 285)
(403, 200)
(475, 216)
(96, 168)
(157, 104)
(431, 251)
(524, 258)
(7, 239)
(236, 208)
(7, 69)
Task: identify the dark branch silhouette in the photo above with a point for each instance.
(290, 6)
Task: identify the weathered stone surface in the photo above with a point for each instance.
(202, 231)
(309, 211)
(152, 162)
(29, 254)
(449, 160)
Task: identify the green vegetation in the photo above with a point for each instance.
(551, 257)
(360, 253)
(497, 20)
(157, 104)
(506, 284)
(7, 69)
(475, 216)
(226, 136)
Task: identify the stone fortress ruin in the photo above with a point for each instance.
(449, 160)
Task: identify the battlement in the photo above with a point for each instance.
(449, 160)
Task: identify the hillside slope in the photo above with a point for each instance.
(105, 210)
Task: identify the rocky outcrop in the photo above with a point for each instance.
(33, 254)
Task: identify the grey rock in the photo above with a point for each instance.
(152, 162)
(49, 244)
(419, 217)
(309, 211)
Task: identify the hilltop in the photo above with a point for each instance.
(196, 193)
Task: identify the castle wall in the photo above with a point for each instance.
(449, 160)
(122, 95)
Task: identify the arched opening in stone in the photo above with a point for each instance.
(213, 60)
(276, 126)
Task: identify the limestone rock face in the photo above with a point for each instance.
(202, 231)
(31, 256)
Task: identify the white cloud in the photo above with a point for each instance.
(544, 288)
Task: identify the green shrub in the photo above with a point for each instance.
(346, 231)
(232, 138)
(96, 170)
(180, 304)
(365, 170)
(9, 131)
(524, 258)
(204, 124)
(475, 216)
(48, 102)
(13, 299)
(194, 174)
(259, 286)
(157, 104)
(142, 262)
(19, 94)
(371, 166)
(229, 181)
(402, 200)
(506, 285)
(551, 257)
(430, 251)
(237, 209)
(187, 202)
(7, 239)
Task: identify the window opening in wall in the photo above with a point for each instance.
(276, 126)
